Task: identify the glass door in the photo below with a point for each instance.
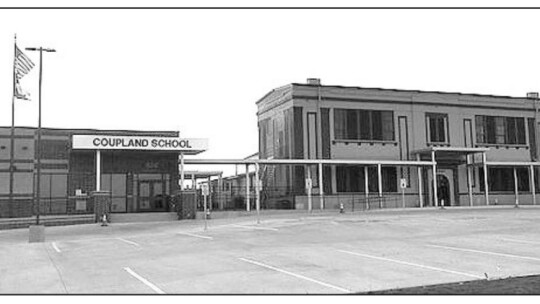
(151, 196)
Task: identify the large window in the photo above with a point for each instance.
(436, 125)
(364, 125)
(502, 179)
(352, 179)
(500, 130)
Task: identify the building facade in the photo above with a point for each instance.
(138, 181)
(314, 121)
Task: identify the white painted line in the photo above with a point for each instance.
(129, 242)
(487, 252)
(521, 241)
(414, 264)
(56, 247)
(196, 235)
(145, 281)
(254, 227)
(295, 275)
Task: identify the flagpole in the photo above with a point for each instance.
(12, 138)
(38, 148)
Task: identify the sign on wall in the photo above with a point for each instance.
(148, 143)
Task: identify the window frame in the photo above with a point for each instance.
(347, 119)
(446, 126)
(488, 130)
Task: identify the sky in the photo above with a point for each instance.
(201, 71)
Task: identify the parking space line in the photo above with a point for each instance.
(413, 264)
(196, 235)
(520, 241)
(56, 247)
(295, 275)
(129, 242)
(145, 281)
(486, 252)
(254, 227)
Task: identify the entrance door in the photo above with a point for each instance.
(445, 187)
(151, 196)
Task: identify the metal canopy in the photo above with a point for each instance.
(450, 150)
(202, 174)
(305, 162)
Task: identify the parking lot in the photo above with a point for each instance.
(319, 253)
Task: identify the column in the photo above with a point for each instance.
(469, 181)
(434, 168)
(248, 207)
(419, 172)
(366, 185)
(308, 189)
(533, 185)
(182, 171)
(209, 194)
(516, 190)
(98, 170)
(257, 195)
(220, 195)
(379, 178)
(486, 186)
(321, 186)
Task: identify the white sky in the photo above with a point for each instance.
(201, 71)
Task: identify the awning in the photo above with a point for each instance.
(448, 153)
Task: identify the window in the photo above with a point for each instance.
(500, 130)
(437, 127)
(364, 125)
(502, 179)
(352, 179)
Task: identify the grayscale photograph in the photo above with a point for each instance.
(255, 151)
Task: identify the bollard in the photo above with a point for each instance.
(104, 220)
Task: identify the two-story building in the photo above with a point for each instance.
(463, 133)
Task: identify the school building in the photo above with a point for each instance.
(137, 170)
(462, 134)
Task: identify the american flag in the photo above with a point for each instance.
(23, 65)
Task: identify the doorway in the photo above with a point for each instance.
(446, 183)
(151, 196)
(443, 190)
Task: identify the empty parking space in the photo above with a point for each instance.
(300, 254)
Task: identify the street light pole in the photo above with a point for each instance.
(38, 148)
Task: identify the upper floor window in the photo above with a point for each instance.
(500, 130)
(364, 124)
(437, 127)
